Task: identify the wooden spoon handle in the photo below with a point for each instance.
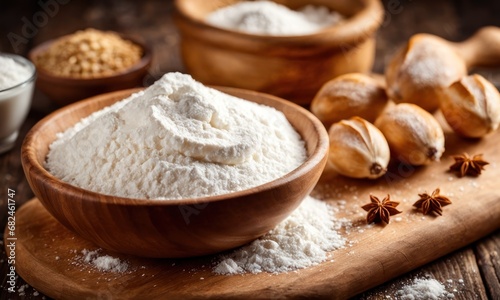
(482, 49)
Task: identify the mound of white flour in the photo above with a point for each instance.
(177, 139)
(270, 18)
(301, 240)
(12, 73)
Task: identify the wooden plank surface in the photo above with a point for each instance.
(488, 259)
(458, 272)
(151, 20)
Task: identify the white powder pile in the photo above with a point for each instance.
(302, 240)
(104, 263)
(12, 73)
(270, 18)
(177, 139)
(423, 289)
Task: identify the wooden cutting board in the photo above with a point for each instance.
(47, 253)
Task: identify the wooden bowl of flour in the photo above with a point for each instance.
(172, 228)
(292, 67)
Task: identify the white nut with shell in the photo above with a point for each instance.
(349, 95)
(413, 134)
(358, 149)
(420, 70)
(471, 106)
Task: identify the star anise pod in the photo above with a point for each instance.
(466, 165)
(380, 211)
(432, 203)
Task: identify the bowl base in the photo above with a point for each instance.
(8, 143)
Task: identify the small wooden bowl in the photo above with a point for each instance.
(172, 228)
(65, 90)
(292, 67)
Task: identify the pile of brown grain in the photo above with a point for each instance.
(89, 54)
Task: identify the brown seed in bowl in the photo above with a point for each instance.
(89, 54)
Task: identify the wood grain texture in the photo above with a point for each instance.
(454, 20)
(458, 273)
(173, 228)
(481, 49)
(292, 67)
(488, 257)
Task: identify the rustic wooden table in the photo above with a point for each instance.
(473, 271)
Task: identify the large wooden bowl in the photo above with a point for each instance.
(292, 67)
(66, 90)
(172, 228)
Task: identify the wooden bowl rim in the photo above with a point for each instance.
(30, 162)
(142, 64)
(360, 27)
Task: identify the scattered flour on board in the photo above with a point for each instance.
(12, 73)
(23, 291)
(302, 240)
(423, 289)
(177, 139)
(270, 18)
(104, 263)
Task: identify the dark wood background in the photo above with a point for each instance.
(473, 271)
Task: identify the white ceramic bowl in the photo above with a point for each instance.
(15, 102)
